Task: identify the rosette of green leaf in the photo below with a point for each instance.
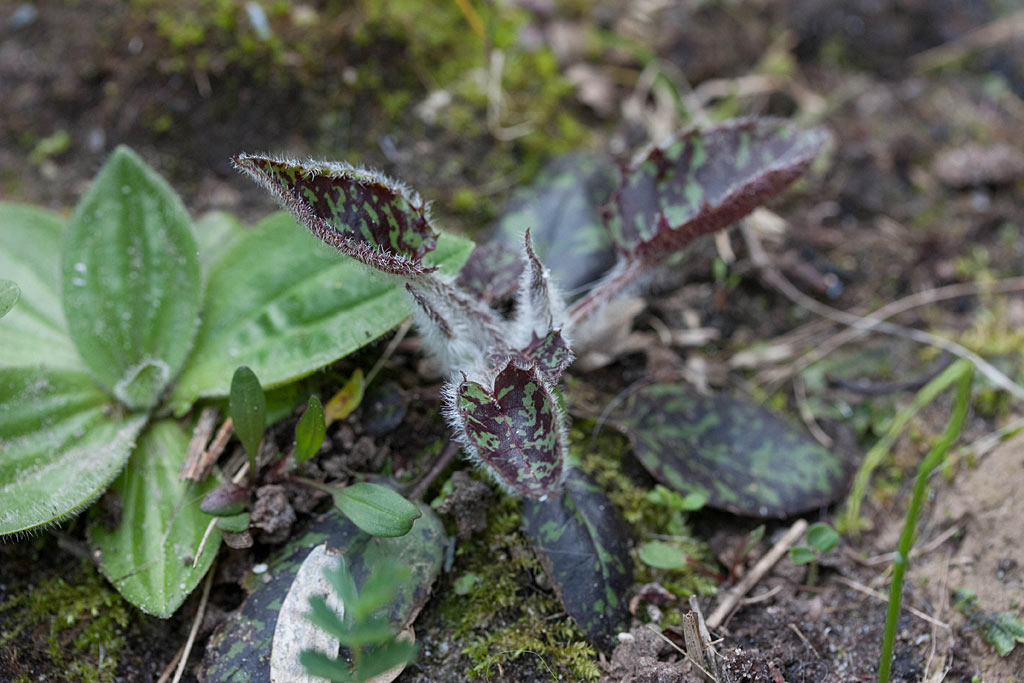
(247, 406)
(282, 304)
(149, 555)
(131, 283)
(740, 457)
(582, 546)
(514, 428)
(373, 219)
(241, 649)
(9, 295)
(62, 441)
(310, 431)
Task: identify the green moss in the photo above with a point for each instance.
(81, 620)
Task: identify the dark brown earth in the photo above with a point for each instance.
(925, 99)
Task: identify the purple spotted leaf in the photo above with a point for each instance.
(515, 429)
(550, 354)
(739, 456)
(458, 329)
(583, 547)
(701, 182)
(361, 213)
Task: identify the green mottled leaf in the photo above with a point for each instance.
(581, 544)
(35, 332)
(361, 213)
(62, 442)
(149, 556)
(515, 429)
(701, 182)
(561, 208)
(240, 650)
(741, 457)
(822, 537)
(9, 295)
(310, 431)
(661, 555)
(376, 509)
(247, 406)
(131, 281)
(284, 305)
(492, 272)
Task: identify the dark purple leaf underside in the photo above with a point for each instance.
(582, 546)
(515, 430)
(360, 213)
(702, 182)
(741, 457)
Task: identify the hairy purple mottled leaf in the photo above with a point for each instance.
(361, 213)
(240, 649)
(492, 272)
(539, 308)
(743, 458)
(515, 429)
(583, 548)
(550, 354)
(562, 209)
(701, 182)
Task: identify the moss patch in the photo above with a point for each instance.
(79, 622)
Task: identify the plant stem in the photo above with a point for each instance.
(962, 371)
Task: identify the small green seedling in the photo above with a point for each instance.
(310, 432)
(372, 643)
(247, 406)
(1002, 630)
(821, 539)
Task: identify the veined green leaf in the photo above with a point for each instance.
(216, 232)
(285, 305)
(149, 556)
(9, 295)
(376, 509)
(661, 555)
(34, 333)
(62, 442)
(131, 282)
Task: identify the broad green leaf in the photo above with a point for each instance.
(376, 509)
(310, 431)
(661, 555)
(236, 524)
(285, 305)
(361, 213)
(241, 648)
(822, 537)
(62, 442)
(701, 182)
(583, 548)
(149, 556)
(247, 407)
(515, 429)
(216, 232)
(741, 457)
(9, 295)
(131, 281)
(35, 332)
